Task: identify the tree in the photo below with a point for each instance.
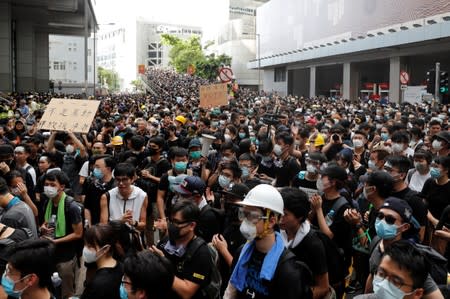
(187, 52)
(109, 77)
(138, 85)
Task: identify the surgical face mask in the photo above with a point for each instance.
(245, 172)
(311, 169)
(420, 167)
(123, 292)
(397, 147)
(277, 150)
(358, 143)
(227, 137)
(372, 165)
(221, 122)
(383, 288)
(248, 230)
(8, 286)
(50, 192)
(242, 135)
(214, 124)
(97, 173)
(195, 155)
(384, 136)
(435, 172)
(366, 193)
(89, 256)
(70, 149)
(437, 145)
(385, 231)
(180, 166)
(224, 182)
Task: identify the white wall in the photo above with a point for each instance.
(270, 85)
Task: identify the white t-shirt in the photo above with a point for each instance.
(84, 171)
(417, 180)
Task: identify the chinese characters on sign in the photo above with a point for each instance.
(67, 114)
(213, 95)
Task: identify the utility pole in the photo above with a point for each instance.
(437, 80)
(259, 60)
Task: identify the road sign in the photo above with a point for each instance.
(404, 77)
(225, 74)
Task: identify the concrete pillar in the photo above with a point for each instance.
(394, 79)
(350, 81)
(5, 47)
(312, 82)
(41, 62)
(25, 57)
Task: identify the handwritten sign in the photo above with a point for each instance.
(213, 95)
(66, 114)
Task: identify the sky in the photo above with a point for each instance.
(187, 12)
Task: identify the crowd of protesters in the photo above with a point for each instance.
(267, 197)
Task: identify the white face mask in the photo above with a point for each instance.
(358, 143)
(319, 185)
(50, 192)
(69, 149)
(437, 145)
(89, 256)
(277, 150)
(386, 290)
(248, 230)
(397, 147)
(311, 169)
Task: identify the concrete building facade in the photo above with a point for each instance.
(347, 46)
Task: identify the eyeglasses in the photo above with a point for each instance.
(395, 280)
(122, 180)
(252, 216)
(388, 218)
(180, 224)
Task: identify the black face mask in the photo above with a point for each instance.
(216, 146)
(152, 151)
(174, 233)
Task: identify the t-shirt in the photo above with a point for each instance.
(415, 180)
(197, 269)
(93, 190)
(437, 196)
(312, 252)
(418, 207)
(19, 215)
(254, 285)
(288, 170)
(105, 284)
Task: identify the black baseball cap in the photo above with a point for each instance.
(237, 191)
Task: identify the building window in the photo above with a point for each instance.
(280, 74)
(89, 52)
(55, 65)
(62, 66)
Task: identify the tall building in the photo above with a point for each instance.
(237, 37)
(355, 48)
(137, 43)
(66, 64)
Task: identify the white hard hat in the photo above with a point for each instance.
(264, 196)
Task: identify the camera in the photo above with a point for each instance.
(335, 137)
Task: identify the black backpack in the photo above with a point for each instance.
(79, 244)
(335, 257)
(6, 244)
(212, 290)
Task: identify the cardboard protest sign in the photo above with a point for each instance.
(213, 95)
(68, 114)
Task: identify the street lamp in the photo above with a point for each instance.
(259, 60)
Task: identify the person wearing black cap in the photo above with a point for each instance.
(393, 220)
(286, 166)
(328, 209)
(193, 188)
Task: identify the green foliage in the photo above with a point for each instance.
(187, 52)
(138, 84)
(109, 77)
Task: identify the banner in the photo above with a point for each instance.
(213, 95)
(69, 114)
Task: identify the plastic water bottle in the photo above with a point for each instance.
(329, 218)
(52, 225)
(56, 281)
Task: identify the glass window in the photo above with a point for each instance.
(280, 74)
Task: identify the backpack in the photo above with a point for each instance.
(438, 263)
(220, 215)
(7, 243)
(335, 257)
(212, 290)
(79, 244)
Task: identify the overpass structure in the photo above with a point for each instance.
(24, 47)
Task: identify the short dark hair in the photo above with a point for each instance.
(137, 142)
(110, 162)
(3, 186)
(57, 176)
(382, 181)
(286, 137)
(401, 162)
(178, 152)
(188, 210)
(159, 141)
(234, 167)
(100, 235)
(444, 161)
(409, 258)
(34, 256)
(400, 136)
(434, 122)
(228, 145)
(296, 201)
(248, 157)
(151, 273)
(124, 169)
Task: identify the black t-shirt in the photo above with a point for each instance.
(157, 169)
(333, 151)
(17, 236)
(254, 285)
(287, 172)
(418, 207)
(105, 284)
(312, 252)
(436, 196)
(93, 190)
(208, 224)
(300, 183)
(197, 269)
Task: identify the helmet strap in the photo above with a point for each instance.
(266, 225)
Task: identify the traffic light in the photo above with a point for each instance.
(431, 81)
(443, 83)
